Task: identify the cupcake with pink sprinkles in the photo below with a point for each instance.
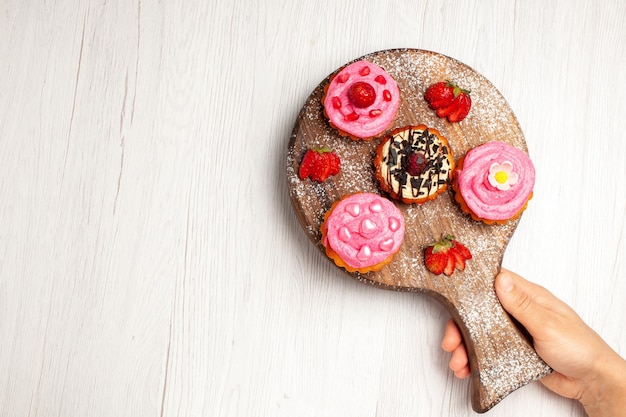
(361, 100)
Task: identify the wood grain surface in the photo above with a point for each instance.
(501, 359)
(151, 264)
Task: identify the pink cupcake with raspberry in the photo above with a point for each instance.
(361, 100)
(362, 232)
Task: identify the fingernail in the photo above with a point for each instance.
(506, 283)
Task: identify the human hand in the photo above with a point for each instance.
(585, 367)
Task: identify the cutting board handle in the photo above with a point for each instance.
(499, 365)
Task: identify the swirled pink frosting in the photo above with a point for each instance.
(364, 229)
(481, 194)
(362, 122)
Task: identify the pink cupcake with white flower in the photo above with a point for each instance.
(494, 182)
(361, 100)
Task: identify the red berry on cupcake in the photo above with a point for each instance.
(319, 164)
(446, 256)
(361, 94)
(416, 163)
(449, 100)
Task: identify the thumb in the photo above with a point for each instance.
(522, 299)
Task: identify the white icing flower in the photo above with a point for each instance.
(502, 176)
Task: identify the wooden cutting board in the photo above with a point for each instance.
(501, 358)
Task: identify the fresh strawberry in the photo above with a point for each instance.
(319, 164)
(436, 262)
(439, 94)
(321, 170)
(462, 249)
(459, 260)
(447, 110)
(449, 100)
(361, 94)
(307, 163)
(334, 163)
(446, 256)
(464, 103)
(451, 265)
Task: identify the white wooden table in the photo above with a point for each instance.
(151, 263)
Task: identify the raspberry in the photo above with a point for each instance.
(416, 163)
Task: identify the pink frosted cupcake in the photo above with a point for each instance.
(493, 182)
(362, 232)
(361, 100)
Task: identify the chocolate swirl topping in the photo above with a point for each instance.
(432, 177)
